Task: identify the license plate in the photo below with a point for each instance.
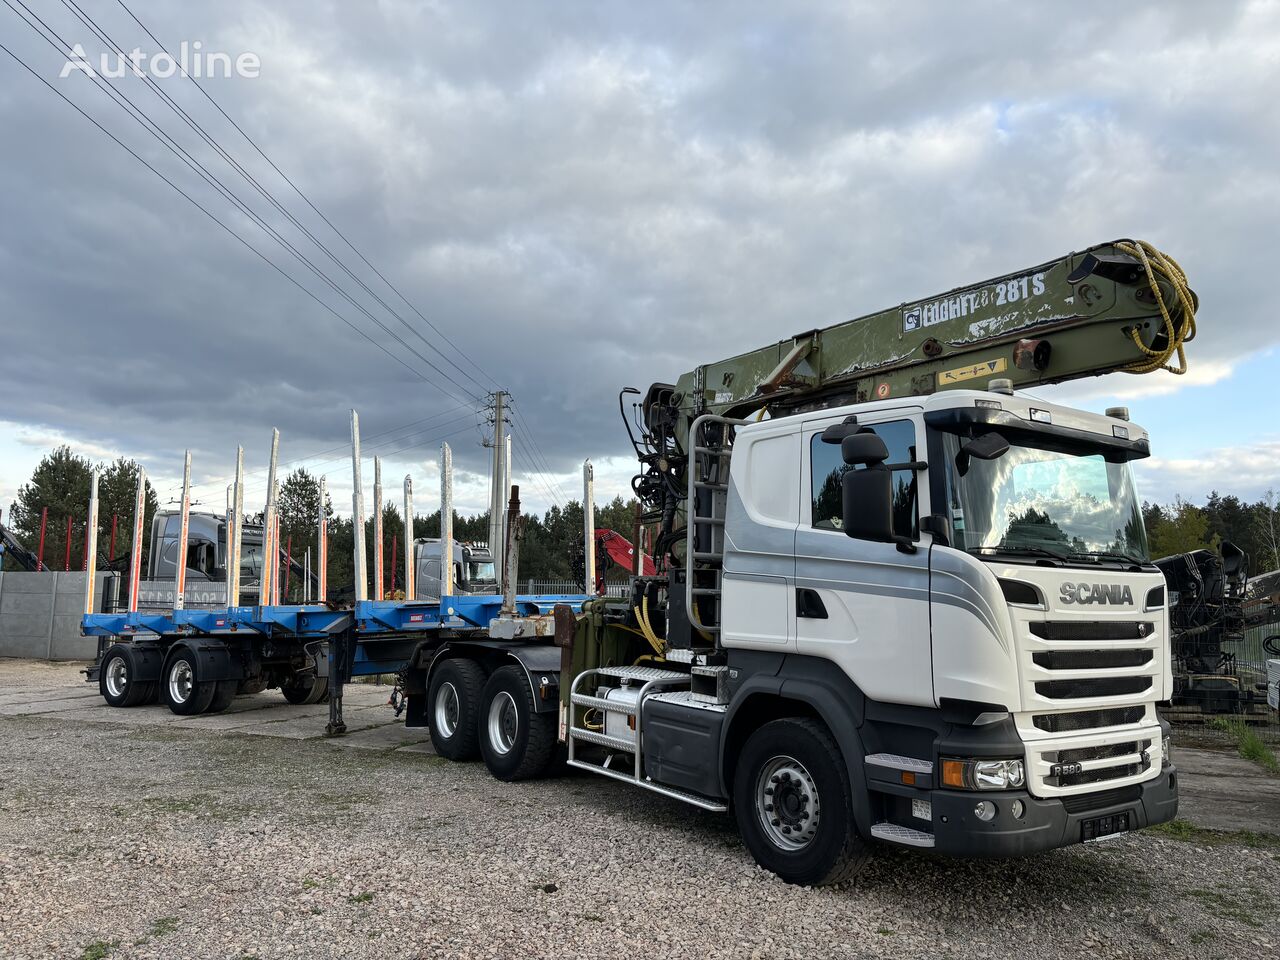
(1104, 828)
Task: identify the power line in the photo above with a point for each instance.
(206, 212)
(539, 458)
(174, 147)
(102, 35)
(307, 200)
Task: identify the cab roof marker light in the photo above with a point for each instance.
(1041, 416)
(988, 404)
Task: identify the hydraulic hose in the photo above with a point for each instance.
(1161, 266)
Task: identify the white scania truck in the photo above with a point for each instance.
(894, 601)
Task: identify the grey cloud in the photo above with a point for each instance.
(589, 195)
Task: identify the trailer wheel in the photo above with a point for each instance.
(454, 704)
(306, 690)
(223, 694)
(116, 680)
(517, 742)
(794, 804)
(181, 687)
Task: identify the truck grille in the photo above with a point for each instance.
(1087, 719)
(1093, 630)
(1092, 687)
(1080, 766)
(1083, 681)
(1091, 659)
(1102, 799)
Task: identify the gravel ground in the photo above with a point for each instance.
(122, 841)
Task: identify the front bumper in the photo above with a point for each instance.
(1045, 823)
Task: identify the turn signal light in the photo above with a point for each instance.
(953, 773)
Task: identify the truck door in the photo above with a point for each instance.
(862, 605)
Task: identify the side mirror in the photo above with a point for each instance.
(863, 449)
(989, 446)
(867, 500)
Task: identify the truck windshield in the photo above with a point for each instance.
(481, 571)
(1032, 501)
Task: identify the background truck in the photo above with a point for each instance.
(887, 606)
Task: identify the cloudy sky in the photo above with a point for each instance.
(582, 196)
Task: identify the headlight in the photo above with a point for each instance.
(983, 774)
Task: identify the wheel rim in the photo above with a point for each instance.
(181, 680)
(117, 676)
(447, 710)
(504, 723)
(787, 803)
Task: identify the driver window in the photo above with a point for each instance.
(827, 468)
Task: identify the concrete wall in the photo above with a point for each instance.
(40, 615)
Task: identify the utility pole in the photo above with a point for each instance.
(498, 480)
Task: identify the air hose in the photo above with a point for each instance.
(1162, 266)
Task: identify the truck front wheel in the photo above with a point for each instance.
(794, 804)
(517, 742)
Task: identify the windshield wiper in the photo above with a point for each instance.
(1027, 551)
(1108, 555)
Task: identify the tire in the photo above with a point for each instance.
(181, 687)
(116, 680)
(224, 692)
(517, 743)
(815, 840)
(453, 705)
(306, 690)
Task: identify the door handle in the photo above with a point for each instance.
(809, 604)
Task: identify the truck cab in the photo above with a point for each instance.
(474, 571)
(206, 559)
(968, 574)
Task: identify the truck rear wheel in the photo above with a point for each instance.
(454, 701)
(306, 689)
(517, 742)
(223, 694)
(181, 687)
(794, 804)
(116, 679)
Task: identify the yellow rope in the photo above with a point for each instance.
(1162, 265)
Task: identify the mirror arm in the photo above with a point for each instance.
(905, 544)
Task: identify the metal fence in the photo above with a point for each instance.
(1256, 669)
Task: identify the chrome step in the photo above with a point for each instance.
(603, 740)
(640, 673)
(894, 761)
(687, 699)
(708, 669)
(623, 707)
(894, 833)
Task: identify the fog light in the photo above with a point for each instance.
(1019, 808)
(985, 810)
(1166, 745)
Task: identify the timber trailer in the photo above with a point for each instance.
(891, 601)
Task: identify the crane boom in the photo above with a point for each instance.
(1119, 306)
